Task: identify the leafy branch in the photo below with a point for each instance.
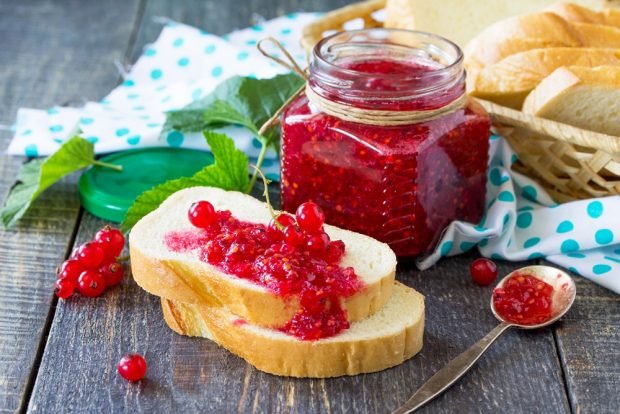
(39, 174)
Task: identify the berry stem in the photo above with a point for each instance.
(124, 258)
(108, 165)
(259, 163)
(266, 182)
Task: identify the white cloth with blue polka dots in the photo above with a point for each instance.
(184, 64)
(522, 222)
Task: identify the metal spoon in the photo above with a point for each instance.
(562, 299)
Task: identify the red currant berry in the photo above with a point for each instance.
(91, 283)
(71, 270)
(310, 217)
(132, 367)
(64, 288)
(335, 251)
(284, 220)
(318, 242)
(111, 240)
(112, 273)
(483, 271)
(90, 255)
(202, 214)
(293, 236)
(74, 254)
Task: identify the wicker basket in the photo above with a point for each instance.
(571, 163)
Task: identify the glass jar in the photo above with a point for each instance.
(399, 183)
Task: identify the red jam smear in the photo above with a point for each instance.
(524, 299)
(402, 184)
(249, 251)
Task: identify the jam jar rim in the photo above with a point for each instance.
(326, 75)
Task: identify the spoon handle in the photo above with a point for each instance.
(449, 374)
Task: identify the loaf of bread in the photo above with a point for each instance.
(585, 97)
(510, 80)
(182, 276)
(535, 31)
(461, 20)
(385, 339)
(581, 13)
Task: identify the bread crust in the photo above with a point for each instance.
(291, 357)
(510, 80)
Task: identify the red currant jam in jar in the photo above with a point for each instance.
(524, 299)
(403, 182)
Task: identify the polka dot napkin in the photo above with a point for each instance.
(184, 64)
(522, 222)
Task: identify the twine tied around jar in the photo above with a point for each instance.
(348, 112)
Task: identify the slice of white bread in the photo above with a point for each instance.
(460, 20)
(578, 13)
(184, 277)
(535, 31)
(510, 80)
(385, 339)
(517, 34)
(585, 97)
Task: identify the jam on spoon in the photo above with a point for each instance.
(524, 299)
(514, 298)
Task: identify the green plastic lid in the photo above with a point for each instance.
(108, 194)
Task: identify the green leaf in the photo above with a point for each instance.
(221, 112)
(229, 172)
(238, 100)
(151, 199)
(38, 175)
(259, 99)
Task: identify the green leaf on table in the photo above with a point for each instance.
(38, 175)
(238, 100)
(229, 172)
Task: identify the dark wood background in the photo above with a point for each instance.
(61, 356)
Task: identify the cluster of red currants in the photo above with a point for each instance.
(93, 266)
(303, 230)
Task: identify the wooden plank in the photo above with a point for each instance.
(589, 345)
(219, 19)
(51, 53)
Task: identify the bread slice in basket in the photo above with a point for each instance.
(510, 80)
(385, 339)
(578, 13)
(587, 98)
(184, 277)
(535, 31)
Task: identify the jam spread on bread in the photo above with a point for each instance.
(524, 299)
(307, 268)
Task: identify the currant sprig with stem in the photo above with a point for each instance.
(266, 182)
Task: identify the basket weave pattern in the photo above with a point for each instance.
(567, 171)
(576, 167)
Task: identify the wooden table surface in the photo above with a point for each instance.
(60, 356)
